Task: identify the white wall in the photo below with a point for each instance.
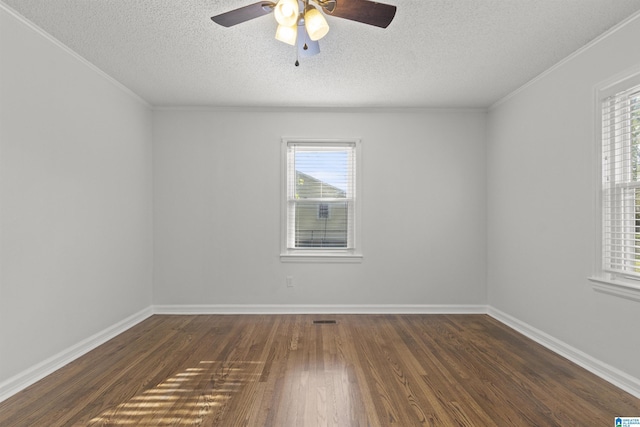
(541, 207)
(217, 207)
(75, 194)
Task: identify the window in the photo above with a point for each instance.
(619, 137)
(321, 200)
(621, 182)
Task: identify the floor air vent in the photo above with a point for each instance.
(324, 322)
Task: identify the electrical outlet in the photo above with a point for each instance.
(289, 281)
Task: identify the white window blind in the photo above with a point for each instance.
(320, 196)
(621, 182)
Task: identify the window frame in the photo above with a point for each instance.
(603, 280)
(353, 254)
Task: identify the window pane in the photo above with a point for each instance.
(320, 195)
(635, 252)
(635, 135)
(321, 174)
(321, 225)
(621, 182)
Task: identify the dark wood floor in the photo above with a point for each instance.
(283, 370)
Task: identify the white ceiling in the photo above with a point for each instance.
(436, 53)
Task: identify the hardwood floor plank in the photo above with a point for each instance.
(418, 362)
(358, 403)
(420, 407)
(284, 370)
(439, 379)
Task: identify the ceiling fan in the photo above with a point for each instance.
(301, 24)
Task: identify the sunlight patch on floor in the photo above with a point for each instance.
(185, 398)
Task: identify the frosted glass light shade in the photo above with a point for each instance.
(287, 34)
(306, 46)
(315, 23)
(286, 12)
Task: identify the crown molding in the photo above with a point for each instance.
(566, 60)
(327, 109)
(67, 50)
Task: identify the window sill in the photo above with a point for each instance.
(617, 288)
(327, 257)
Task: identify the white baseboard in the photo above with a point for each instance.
(24, 379)
(608, 373)
(320, 309)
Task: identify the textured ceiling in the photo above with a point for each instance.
(436, 53)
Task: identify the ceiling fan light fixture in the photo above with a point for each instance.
(306, 46)
(286, 12)
(315, 23)
(287, 34)
(302, 24)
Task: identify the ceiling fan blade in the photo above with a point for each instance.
(246, 13)
(365, 11)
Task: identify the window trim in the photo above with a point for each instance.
(323, 255)
(603, 281)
